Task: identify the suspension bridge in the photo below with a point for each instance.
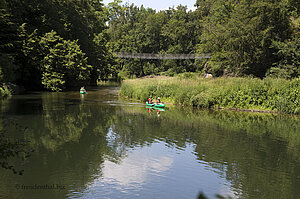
(159, 56)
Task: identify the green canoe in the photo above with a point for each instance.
(156, 105)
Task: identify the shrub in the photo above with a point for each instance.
(4, 91)
(288, 100)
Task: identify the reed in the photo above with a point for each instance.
(242, 93)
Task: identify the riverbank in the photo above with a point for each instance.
(268, 95)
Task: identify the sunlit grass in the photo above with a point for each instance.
(244, 93)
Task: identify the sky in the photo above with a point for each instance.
(159, 4)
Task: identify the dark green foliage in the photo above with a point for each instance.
(8, 42)
(80, 26)
(140, 30)
(60, 63)
(239, 36)
(288, 51)
(8, 45)
(4, 91)
(243, 37)
(64, 65)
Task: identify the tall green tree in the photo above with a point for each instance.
(139, 30)
(58, 63)
(65, 64)
(239, 35)
(288, 52)
(8, 45)
(180, 38)
(83, 21)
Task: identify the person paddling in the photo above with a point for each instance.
(82, 89)
(150, 100)
(158, 101)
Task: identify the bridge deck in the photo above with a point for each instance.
(160, 56)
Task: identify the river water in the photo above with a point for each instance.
(100, 146)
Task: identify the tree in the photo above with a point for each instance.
(288, 52)
(8, 45)
(80, 21)
(59, 63)
(65, 65)
(180, 38)
(239, 36)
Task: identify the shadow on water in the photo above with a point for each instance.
(81, 141)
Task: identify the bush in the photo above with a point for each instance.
(4, 91)
(188, 75)
(288, 100)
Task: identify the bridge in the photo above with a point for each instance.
(159, 56)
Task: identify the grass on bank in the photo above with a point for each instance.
(243, 93)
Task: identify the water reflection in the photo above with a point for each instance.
(152, 110)
(155, 171)
(133, 170)
(100, 146)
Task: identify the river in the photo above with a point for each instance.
(100, 146)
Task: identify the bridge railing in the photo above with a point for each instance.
(160, 56)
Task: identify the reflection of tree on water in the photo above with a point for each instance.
(66, 123)
(4, 104)
(13, 152)
(257, 153)
(69, 141)
(73, 140)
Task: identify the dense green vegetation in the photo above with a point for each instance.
(4, 91)
(57, 44)
(245, 38)
(244, 93)
(52, 44)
